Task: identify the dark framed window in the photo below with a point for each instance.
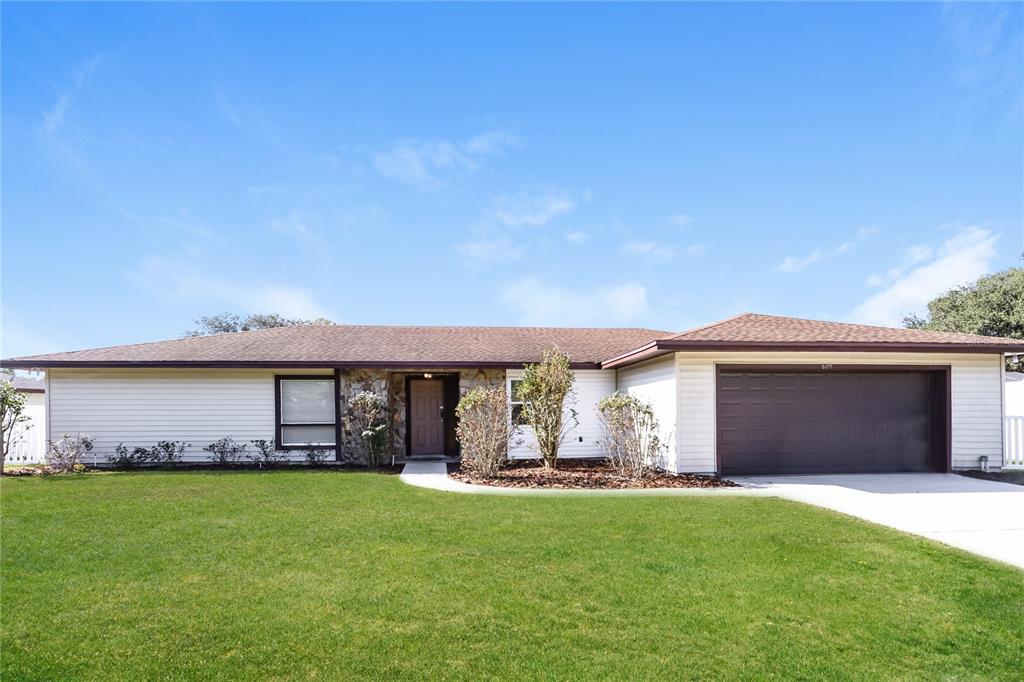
(306, 407)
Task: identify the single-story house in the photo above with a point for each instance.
(750, 394)
(30, 437)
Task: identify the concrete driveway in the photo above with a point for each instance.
(983, 517)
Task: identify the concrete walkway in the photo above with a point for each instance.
(983, 517)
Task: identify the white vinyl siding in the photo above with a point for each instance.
(655, 383)
(584, 440)
(977, 424)
(143, 406)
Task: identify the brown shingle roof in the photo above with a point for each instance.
(362, 345)
(755, 328)
(352, 345)
(752, 331)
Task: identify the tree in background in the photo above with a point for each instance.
(992, 306)
(225, 323)
(543, 390)
(12, 419)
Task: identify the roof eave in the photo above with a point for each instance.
(29, 363)
(842, 347)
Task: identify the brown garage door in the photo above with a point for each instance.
(794, 422)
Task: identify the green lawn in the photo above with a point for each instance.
(328, 575)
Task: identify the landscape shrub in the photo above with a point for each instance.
(484, 430)
(366, 418)
(164, 452)
(226, 452)
(544, 389)
(316, 454)
(168, 451)
(123, 458)
(66, 454)
(265, 455)
(630, 434)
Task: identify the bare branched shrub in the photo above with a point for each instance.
(66, 454)
(168, 451)
(315, 454)
(543, 390)
(366, 417)
(226, 452)
(128, 458)
(630, 435)
(265, 455)
(484, 430)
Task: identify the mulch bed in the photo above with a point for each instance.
(583, 474)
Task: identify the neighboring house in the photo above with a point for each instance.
(1013, 397)
(750, 394)
(1013, 389)
(30, 446)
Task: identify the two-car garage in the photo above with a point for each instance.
(825, 419)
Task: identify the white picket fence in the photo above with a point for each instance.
(1013, 455)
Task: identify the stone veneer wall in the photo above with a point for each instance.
(391, 382)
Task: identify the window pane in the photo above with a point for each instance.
(513, 394)
(517, 414)
(305, 401)
(300, 435)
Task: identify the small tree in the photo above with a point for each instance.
(544, 389)
(630, 434)
(226, 452)
(13, 420)
(66, 454)
(366, 418)
(484, 430)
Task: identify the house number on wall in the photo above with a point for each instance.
(826, 365)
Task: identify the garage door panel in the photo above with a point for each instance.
(821, 422)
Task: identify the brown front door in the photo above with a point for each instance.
(426, 417)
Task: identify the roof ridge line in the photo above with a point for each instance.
(707, 326)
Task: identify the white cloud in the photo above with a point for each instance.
(794, 264)
(489, 248)
(798, 263)
(493, 142)
(172, 281)
(532, 208)
(911, 256)
(680, 221)
(291, 224)
(650, 250)
(53, 118)
(577, 237)
(960, 260)
(536, 302)
(494, 236)
(428, 164)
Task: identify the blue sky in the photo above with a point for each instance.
(607, 165)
